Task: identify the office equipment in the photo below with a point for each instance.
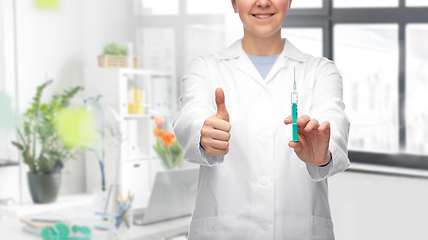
(294, 100)
(173, 196)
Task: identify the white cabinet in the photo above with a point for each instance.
(138, 160)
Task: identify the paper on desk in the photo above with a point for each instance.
(36, 224)
(50, 217)
(82, 212)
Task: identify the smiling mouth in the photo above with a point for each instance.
(262, 15)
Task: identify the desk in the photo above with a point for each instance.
(11, 227)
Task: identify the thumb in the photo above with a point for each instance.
(221, 107)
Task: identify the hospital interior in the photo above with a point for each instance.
(89, 90)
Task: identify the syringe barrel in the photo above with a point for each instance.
(294, 97)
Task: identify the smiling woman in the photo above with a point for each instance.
(254, 182)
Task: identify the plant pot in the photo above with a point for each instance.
(115, 61)
(44, 188)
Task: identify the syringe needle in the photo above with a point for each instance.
(294, 77)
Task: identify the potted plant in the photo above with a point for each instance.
(41, 146)
(167, 147)
(115, 56)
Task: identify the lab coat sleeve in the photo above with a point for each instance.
(197, 103)
(327, 105)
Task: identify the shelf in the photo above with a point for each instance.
(138, 159)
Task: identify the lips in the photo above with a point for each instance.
(263, 15)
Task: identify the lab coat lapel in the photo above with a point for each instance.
(279, 64)
(289, 51)
(246, 66)
(244, 63)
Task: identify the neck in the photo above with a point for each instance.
(262, 46)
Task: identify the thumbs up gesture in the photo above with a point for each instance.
(215, 131)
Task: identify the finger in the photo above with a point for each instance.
(222, 125)
(303, 121)
(297, 146)
(219, 145)
(221, 106)
(220, 135)
(324, 126)
(313, 124)
(216, 152)
(288, 120)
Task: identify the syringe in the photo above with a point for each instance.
(294, 100)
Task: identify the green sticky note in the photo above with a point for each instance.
(7, 118)
(77, 127)
(46, 4)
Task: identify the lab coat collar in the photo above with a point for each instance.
(245, 64)
(235, 50)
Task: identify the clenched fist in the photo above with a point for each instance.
(215, 132)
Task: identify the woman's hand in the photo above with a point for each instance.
(215, 133)
(314, 139)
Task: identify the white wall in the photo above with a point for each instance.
(372, 206)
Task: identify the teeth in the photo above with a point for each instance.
(263, 16)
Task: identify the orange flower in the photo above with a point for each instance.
(168, 138)
(159, 121)
(158, 132)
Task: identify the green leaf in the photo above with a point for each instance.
(114, 49)
(18, 145)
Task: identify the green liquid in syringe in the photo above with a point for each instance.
(294, 119)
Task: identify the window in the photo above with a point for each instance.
(307, 4)
(208, 7)
(416, 3)
(416, 89)
(203, 40)
(307, 40)
(364, 3)
(367, 58)
(155, 7)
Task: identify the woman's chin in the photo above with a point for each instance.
(264, 34)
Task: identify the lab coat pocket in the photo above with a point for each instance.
(322, 229)
(203, 229)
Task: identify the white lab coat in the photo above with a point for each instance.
(260, 189)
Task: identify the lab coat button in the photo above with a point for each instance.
(263, 95)
(263, 181)
(265, 226)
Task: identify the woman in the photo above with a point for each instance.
(254, 183)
